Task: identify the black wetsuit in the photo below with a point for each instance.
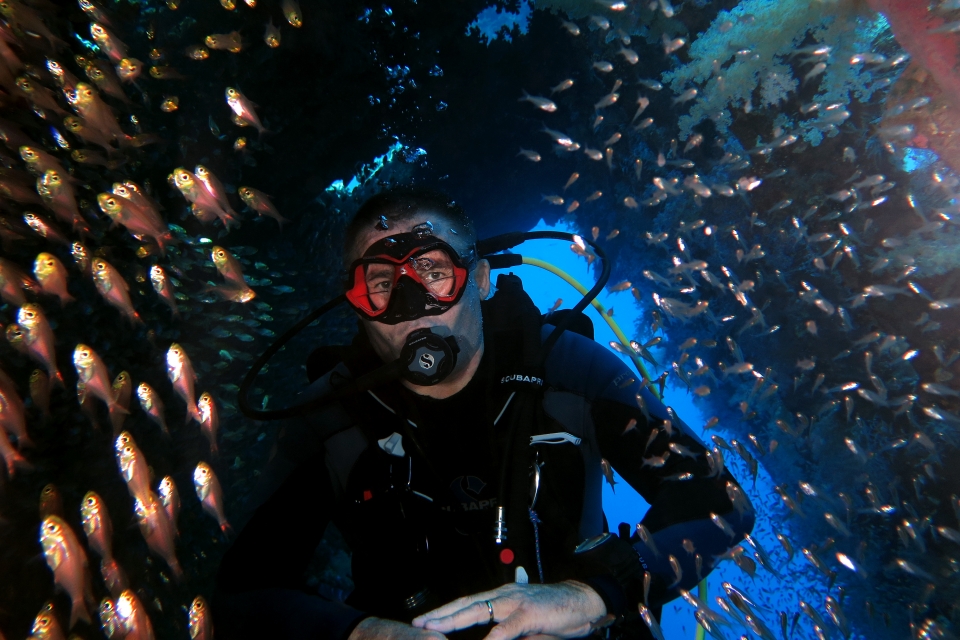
(419, 521)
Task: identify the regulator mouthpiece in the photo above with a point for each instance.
(427, 358)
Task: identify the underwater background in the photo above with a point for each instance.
(775, 183)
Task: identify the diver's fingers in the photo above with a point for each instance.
(516, 625)
(477, 613)
(456, 605)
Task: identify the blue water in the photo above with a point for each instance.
(623, 504)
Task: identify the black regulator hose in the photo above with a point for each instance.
(279, 414)
(506, 241)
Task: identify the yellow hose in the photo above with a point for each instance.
(536, 262)
(702, 594)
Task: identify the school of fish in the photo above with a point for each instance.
(805, 295)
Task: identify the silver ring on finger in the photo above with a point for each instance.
(490, 609)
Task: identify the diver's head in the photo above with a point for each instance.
(411, 263)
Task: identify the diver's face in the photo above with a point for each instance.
(462, 320)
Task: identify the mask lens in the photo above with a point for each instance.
(435, 270)
(379, 283)
(395, 283)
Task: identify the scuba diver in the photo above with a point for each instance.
(459, 445)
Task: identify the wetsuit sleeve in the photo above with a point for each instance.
(664, 462)
(260, 588)
(691, 520)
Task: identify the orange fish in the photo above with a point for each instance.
(260, 202)
(114, 289)
(122, 391)
(52, 276)
(13, 282)
(170, 498)
(210, 494)
(133, 466)
(157, 530)
(92, 374)
(97, 525)
(51, 502)
(163, 287)
(199, 620)
(181, 374)
(152, 405)
(209, 420)
(133, 617)
(68, 562)
(38, 339)
(13, 419)
(243, 109)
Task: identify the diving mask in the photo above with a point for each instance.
(407, 276)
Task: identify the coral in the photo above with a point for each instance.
(751, 45)
(915, 29)
(776, 85)
(932, 255)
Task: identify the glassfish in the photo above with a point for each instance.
(260, 202)
(43, 228)
(51, 502)
(92, 373)
(46, 625)
(137, 220)
(199, 620)
(291, 11)
(114, 289)
(243, 109)
(152, 405)
(208, 490)
(133, 617)
(97, 525)
(181, 374)
(13, 282)
(133, 466)
(161, 284)
(271, 35)
(76, 126)
(52, 276)
(38, 339)
(41, 97)
(157, 530)
(58, 195)
(108, 42)
(122, 391)
(215, 188)
(224, 41)
(68, 562)
(197, 194)
(209, 420)
(170, 499)
(129, 69)
(94, 111)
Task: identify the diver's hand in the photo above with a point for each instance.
(569, 609)
(373, 628)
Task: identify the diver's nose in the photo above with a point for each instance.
(410, 299)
